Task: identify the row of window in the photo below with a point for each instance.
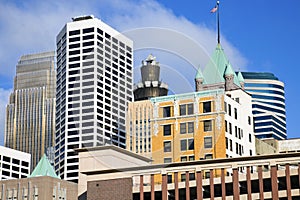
(188, 144)
(186, 109)
(187, 127)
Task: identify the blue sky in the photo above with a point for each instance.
(257, 35)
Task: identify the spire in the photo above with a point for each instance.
(240, 77)
(228, 70)
(199, 74)
(44, 168)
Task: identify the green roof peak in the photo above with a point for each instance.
(240, 77)
(199, 74)
(44, 168)
(217, 66)
(229, 70)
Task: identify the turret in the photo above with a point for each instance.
(241, 80)
(229, 78)
(199, 80)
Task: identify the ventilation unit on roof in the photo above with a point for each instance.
(83, 17)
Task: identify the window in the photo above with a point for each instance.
(207, 142)
(208, 156)
(167, 146)
(186, 109)
(250, 137)
(169, 177)
(183, 145)
(167, 111)
(190, 127)
(183, 177)
(229, 109)
(207, 125)
(249, 120)
(230, 142)
(167, 130)
(182, 128)
(226, 140)
(206, 107)
(230, 128)
(226, 126)
(187, 144)
(235, 113)
(191, 158)
(183, 159)
(167, 160)
(225, 107)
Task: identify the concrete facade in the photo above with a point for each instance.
(14, 164)
(43, 187)
(265, 177)
(94, 86)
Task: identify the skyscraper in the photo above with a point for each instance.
(268, 104)
(30, 114)
(94, 85)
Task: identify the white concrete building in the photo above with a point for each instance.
(14, 164)
(94, 85)
(240, 139)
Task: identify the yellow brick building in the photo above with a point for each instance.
(188, 127)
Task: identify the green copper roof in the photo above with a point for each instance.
(44, 168)
(199, 74)
(240, 77)
(229, 70)
(215, 69)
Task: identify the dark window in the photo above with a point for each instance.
(186, 109)
(208, 156)
(76, 32)
(167, 130)
(207, 125)
(235, 113)
(183, 145)
(88, 30)
(182, 128)
(72, 46)
(167, 160)
(207, 142)
(74, 39)
(229, 109)
(167, 146)
(250, 137)
(167, 111)
(190, 127)
(207, 107)
(87, 37)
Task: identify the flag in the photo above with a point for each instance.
(214, 9)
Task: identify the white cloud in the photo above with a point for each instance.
(3, 102)
(178, 44)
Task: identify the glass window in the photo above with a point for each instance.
(167, 146)
(167, 111)
(250, 138)
(207, 107)
(190, 109)
(167, 130)
(167, 160)
(182, 109)
(191, 158)
(183, 158)
(190, 127)
(207, 142)
(208, 156)
(191, 144)
(183, 177)
(183, 145)
(226, 126)
(182, 128)
(235, 113)
(229, 109)
(207, 125)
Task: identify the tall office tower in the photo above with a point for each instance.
(268, 104)
(30, 114)
(150, 86)
(94, 86)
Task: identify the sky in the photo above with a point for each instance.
(256, 35)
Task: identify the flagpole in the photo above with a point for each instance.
(218, 22)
